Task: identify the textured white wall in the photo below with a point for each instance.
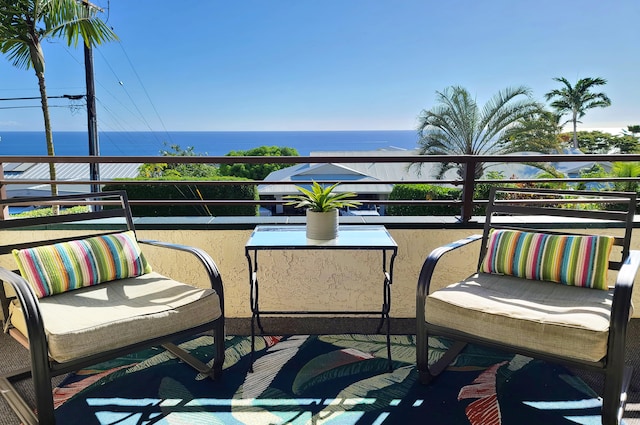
(301, 280)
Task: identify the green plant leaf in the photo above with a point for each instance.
(322, 199)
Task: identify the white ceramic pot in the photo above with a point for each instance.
(322, 225)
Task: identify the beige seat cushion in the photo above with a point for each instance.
(115, 314)
(544, 316)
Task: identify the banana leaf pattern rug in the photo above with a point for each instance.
(328, 379)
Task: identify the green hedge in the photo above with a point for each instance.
(435, 192)
(423, 192)
(181, 192)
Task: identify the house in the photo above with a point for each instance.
(24, 171)
(368, 175)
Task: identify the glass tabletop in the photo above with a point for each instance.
(295, 237)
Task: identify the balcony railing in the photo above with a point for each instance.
(467, 183)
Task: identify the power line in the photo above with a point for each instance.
(34, 106)
(145, 91)
(64, 96)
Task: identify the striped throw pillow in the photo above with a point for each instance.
(61, 267)
(569, 259)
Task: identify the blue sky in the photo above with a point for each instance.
(329, 64)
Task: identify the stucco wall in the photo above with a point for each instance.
(302, 280)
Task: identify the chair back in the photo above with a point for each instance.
(564, 212)
(102, 206)
(110, 208)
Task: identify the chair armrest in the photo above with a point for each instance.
(424, 281)
(204, 258)
(33, 317)
(621, 306)
(430, 263)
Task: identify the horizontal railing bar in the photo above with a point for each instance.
(16, 202)
(302, 182)
(278, 202)
(274, 202)
(459, 159)
(221, 182)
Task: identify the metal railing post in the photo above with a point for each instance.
(4, 212)
(467, 190)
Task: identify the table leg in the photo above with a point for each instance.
(389, 344)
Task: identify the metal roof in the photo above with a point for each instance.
(70, 172)
(40, 171)
(346, 172)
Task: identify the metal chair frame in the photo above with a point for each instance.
(539, 203)
(107, 205)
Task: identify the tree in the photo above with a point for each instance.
(257, 171)
(175, 170)
(577, 100)
(539, 132)
(458, 126)
(598, 142)
(632, 130)
(24, 24)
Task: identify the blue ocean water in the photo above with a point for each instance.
(213, 143)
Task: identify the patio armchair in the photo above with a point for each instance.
(77, 301)
(542, 286)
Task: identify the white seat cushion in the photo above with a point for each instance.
(115, 314)
(548, 317)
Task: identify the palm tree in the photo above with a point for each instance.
(24, 24)
(577, 100)
(458, 126)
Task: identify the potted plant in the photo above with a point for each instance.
(322, 206)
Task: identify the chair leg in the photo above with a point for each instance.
(44, 402)
(41, 377)
(615, 395)
(426, 372)
(219, 341)
(443, 362)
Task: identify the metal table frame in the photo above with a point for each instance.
(352, 237)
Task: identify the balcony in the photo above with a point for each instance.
(340, 282)
(224, 237)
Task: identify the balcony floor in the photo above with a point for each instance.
(14, 356)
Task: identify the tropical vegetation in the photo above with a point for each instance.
(177, 170)
(576, 100)
(538, 132)
(457, 125)
(257, 171)
(598, 142)
(25, 24)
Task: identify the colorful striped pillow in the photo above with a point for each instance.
(569, 259)
(61, 267)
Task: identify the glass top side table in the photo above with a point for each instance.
(293, 237)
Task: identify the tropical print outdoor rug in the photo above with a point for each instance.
(329, 379)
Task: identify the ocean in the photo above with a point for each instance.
(212, 143)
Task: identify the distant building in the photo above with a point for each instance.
(524, 171)
(373, 173)
(70, 172)
(346, 172)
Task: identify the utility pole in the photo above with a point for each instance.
(92, 120)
